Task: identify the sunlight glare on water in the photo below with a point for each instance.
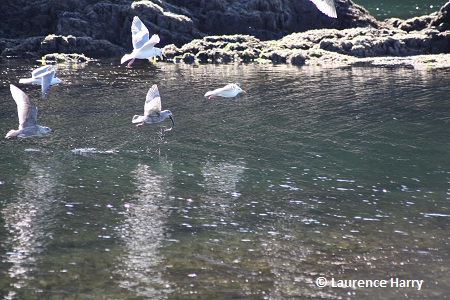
(339, 173)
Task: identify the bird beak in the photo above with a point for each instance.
(173, 122)
(244, 92)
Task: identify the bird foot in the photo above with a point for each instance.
(130, 63)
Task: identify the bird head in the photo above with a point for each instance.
(45, 130)
(138, 119)
(159, 53)
(239, 89)
(168, 114)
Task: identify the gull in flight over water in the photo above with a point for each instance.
(326, 6)
(27, 112)
(143, 47)
(152, 109)
(228, 91)
(42, 76)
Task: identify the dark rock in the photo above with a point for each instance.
(442, 20)
(176, 21)
(217, 31)
(39, 46)
(188, 58)
(413, 24)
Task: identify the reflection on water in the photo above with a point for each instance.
(339, 173)
(222, 177)
(143, 232)
(28, 221)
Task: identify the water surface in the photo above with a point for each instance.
(341, 173)
(403, 9)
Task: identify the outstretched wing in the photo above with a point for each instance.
(152, 101)
(326, 6)
(47, 79)
(139, 32)
(151, 42)
(39, 71)
(26, 109)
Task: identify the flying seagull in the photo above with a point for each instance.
(143, 47)
(228, 91)
(42, 76)
(152, 109)
(326, 6)
(27, 112)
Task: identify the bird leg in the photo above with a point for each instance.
(131, 62)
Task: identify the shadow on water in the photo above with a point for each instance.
(340, 173)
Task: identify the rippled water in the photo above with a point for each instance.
(403, 9)
(341, 173)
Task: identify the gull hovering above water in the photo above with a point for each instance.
(27, 112)
(326, 6)
(143, 47)
(152, 109)
(42, 76)
(228, 91)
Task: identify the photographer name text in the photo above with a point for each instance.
(369, 283)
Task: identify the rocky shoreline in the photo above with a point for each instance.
(356, 40)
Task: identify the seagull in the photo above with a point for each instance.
(143, 47)
(152, 109)
(27, 112)
(326, 6)
(43, 76)
(228, 91)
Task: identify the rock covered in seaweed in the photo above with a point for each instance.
(330, 45)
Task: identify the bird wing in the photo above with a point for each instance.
(47, 79)
(219, 90)
(26, 109)
(139, 32)
(152, 101)
(151, 42)
(39, 71)
(326, 6)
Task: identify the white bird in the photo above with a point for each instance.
(152, 109)
(42, 76)
(326, 6)
(143, 47)
(228, 91)
(27, 112)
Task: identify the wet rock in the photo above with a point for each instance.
(217, 31)
(66, 58)
(308, 47)
(39, 46)
(176, 21)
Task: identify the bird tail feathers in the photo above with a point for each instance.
(210, 93)
(126, 58)
(137, 119)
(12, 133)
(26, 80)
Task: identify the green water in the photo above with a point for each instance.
(341, 173)
(403, 9)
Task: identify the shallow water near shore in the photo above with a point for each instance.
(335, 173)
